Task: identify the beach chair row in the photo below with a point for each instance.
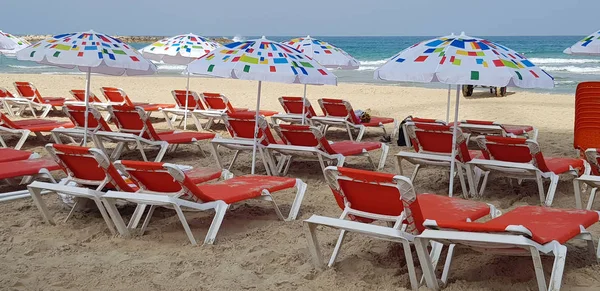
(426, 223)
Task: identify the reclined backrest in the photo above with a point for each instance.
(437, 138)
(241, 125)
(303, 135)
(293, 105)
(509, 149)
(88, 166)
(592, 156)
(76, 114)
(6, 122)
(161, 178)
(27, 90)
(134, 120)
(116, 95)
(376, 193)
(80, 96)
(217, 101)
(5, 93)
(192, 98)
(338, 108)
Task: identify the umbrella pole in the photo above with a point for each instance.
(256, 128)
(454, 132)
(304, 105)
(187, 93)
(87, 104)
(448, 107)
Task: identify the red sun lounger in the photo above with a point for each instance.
(592, 179)
(135, 127)
(432, 144)
(522, 159)
(240, 126)
(339, 113)
(524, 231)
(89, 174)
(294, 106)
(36, 101)
(21, 167)
(76, 114)
(24, 127)
(305, 140)
(167, 185)
(366, 197)
(218, 104)
(193, 103)
(118, 97)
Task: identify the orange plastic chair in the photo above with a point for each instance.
(293, 107)
(76, 114)
(29, 92)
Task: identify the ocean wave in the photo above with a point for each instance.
(63, 73)
(573, 69)
(367, 68)
(373, 63)
(558, 61)
(30, 67)
(238, 38)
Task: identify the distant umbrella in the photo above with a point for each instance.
(324, 53)
(90, 52)
(180, 50)
(10, 44)
(589, 46)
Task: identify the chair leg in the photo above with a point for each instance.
(471, 180)
(577, 192)
(336, 249)
(539, 270)
(163, 149)
(185, 225)
(591, 199)
(448, 264)
(235, 156)
(361, 132)
(168, 119)
(410, 264)
(426, 264)
(414, 174)
(484, 183)
(295, 208)
(216, 224)
(147, 219)
(560, 255)
(22, 139)
(540, 183)
(313, 244)
(551, 190)
(105, 215)
(461, 178)
(384, 152)
(215, 152)
(136, 216)
(36, 195)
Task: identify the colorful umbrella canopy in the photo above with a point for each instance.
(10, 44)
(262, 60)
(324, 53)
(589, 46)
(180, 49)
(464, 60)
(90, 52)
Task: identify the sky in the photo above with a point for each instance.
(291, 18)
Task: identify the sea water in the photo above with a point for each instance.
(373, 51)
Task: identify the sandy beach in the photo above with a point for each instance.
(256, 251)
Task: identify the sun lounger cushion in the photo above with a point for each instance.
(54, 101)
(28, 167)
(349, 148)
(46, 126)
(267, 112)
(376, 121)
(562, 165)
(153, 107)
(545, 224)
(244, 187)
(517, 129)
(9, 155)
(450, 209)
(185, 137)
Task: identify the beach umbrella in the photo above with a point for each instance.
(589, 46)
(463, 60)
(262, 60)
(180, 50)
(10, 44)
(325, 54)
(89, 52)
